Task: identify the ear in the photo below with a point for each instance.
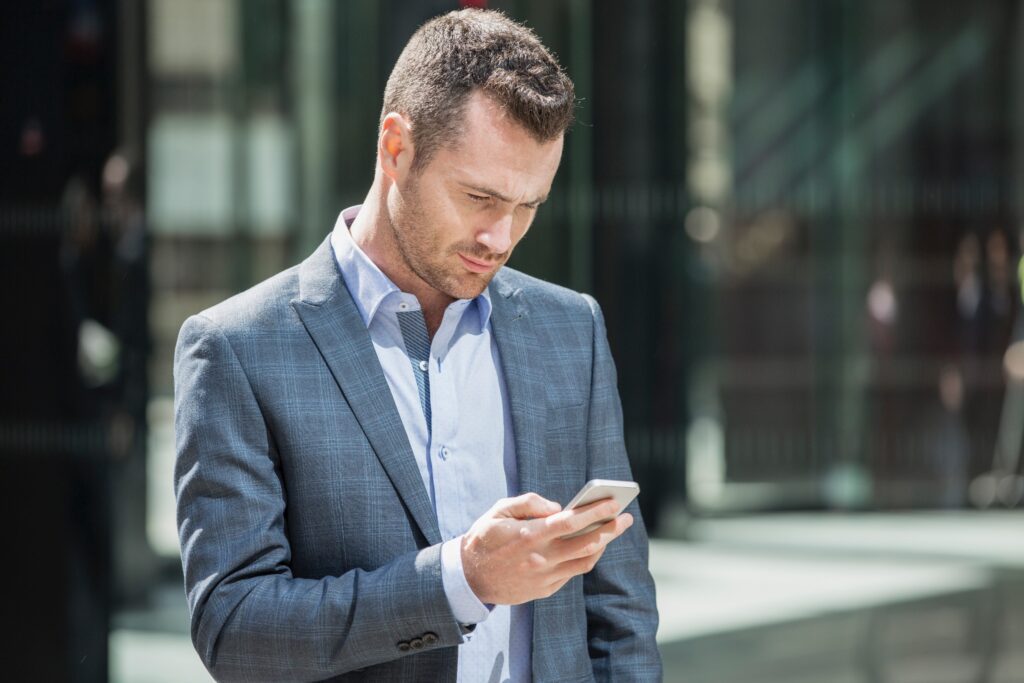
(395, 149)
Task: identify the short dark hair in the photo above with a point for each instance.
(456, 54)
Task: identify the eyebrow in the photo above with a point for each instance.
(498, 195)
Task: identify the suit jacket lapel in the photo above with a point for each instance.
(333, 321)
(524, 381)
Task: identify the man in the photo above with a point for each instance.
(373, 446)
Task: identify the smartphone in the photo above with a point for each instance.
(598, 489)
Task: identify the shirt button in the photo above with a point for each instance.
(444, 453)
(423, 365)
(403, 305)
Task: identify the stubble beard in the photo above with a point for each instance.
(423, 254)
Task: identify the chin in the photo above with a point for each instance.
(470, 288)
(466, 292)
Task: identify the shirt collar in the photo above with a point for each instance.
(369, 285)
(483, 306)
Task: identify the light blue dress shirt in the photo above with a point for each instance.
(466, 456)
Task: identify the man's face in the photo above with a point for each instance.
(457, 220)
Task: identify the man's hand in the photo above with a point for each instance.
(515, 552)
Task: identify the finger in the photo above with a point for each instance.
(526, 506)
(551, 587)
(570, 521)
(564, 549)
(570, 568)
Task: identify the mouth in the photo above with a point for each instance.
(476, 266)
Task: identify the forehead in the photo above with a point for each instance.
(493, 149)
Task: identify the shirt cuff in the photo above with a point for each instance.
(466, 607)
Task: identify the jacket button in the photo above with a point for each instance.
(404, 646)
(416, 643)
(429, 638)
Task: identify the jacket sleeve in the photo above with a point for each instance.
(622, 617)
(251, 619)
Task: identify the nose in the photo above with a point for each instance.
(497, 236)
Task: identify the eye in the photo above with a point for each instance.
(479, 199)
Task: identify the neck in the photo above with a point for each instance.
(372, 230)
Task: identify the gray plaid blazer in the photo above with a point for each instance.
(309, 545)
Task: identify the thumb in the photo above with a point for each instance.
(526, 506)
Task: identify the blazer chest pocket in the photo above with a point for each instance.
(566, 418)
(566, 437)
(565, 451)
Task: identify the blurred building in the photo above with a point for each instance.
(801, 218)
(75, 342)
(767, 198)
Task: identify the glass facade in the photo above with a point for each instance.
(802, 219)
(802, 214)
